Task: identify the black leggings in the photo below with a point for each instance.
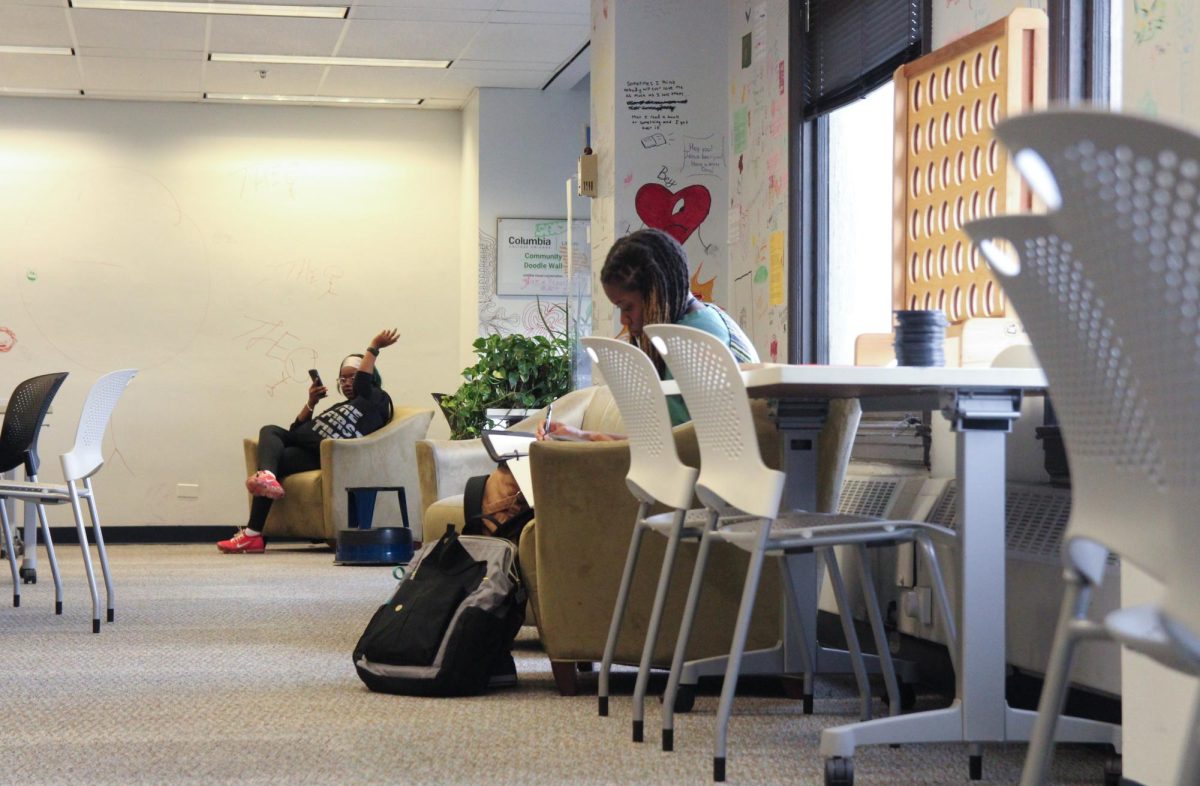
(283, 452)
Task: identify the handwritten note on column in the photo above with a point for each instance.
(776, 271)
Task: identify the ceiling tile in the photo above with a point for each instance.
(439, 14)
(140, 74)
(583, 7)
(38, 71)
(497, 78)
(547, 69)
(274, 35)
(539, 18)
(386, 82)
(139, 31)
(535, 43)
(33, 26)
(244, 78)
(423, 40)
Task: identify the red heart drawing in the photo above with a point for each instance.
(676, 213)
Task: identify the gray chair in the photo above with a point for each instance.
(1108, 285)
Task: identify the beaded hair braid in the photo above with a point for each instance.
(653, 264)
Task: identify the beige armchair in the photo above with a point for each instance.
(315, 503)
(446, 464)
(573, 554)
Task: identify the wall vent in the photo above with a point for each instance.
(1036, 518)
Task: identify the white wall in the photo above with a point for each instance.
(529, 143)
(223, 251)
(660, 112)
(758, 173)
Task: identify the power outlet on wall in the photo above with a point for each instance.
(187, 490)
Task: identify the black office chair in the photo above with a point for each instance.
(23, 417)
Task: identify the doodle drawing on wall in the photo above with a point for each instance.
(656, 206)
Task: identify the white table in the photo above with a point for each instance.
(981, 404)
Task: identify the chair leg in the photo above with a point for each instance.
(886, 667)
(12, 554)
(847, 620)
(1075, 604)
(660, 601)
(566, 678)
(614, 625)
(942, 597)
(50, 557)
(98, 536)
(806, 659)
(740, 630)
(77, 509)
(685, 632)
(1190, 764)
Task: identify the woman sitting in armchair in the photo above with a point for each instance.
(286, 451)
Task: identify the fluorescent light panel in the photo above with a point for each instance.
(36, 50)
(39, 91)
(380, 62)
(243, 9)
(315, 99)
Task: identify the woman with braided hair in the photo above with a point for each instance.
(645, 275)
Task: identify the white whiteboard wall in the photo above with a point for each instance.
(223, 251)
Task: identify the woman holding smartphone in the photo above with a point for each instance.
(286, 451)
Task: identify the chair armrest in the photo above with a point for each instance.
(445, 465)
(385, 458)
(250, 448)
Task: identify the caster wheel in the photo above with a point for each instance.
(908, 696)
(685, 698)
(1112, 771)
(839, 772)
(29, 575)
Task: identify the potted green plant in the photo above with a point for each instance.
(513, 372)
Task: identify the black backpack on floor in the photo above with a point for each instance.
(449, 627)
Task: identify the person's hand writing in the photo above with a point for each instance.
(385, 338)
(560, 431)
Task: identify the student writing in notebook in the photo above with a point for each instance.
(645, 275)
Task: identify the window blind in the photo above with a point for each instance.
(850, 47)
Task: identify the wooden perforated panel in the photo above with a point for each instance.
(950, 169)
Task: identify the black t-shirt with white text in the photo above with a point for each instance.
(368, 410)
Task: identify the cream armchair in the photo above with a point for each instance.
(315, 505)
(446, 464)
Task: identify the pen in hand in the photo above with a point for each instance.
(546, 425)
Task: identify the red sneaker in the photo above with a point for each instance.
(241, 543)
(264, 484)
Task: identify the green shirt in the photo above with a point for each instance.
(711, 319)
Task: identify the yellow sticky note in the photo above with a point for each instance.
(777, 276)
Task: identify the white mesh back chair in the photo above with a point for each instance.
(79, 464)
(23, 416)
(1125, 196)
(733, 477)
(656, 474)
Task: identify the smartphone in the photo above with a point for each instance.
(315, 377)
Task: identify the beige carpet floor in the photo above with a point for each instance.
(236, 669)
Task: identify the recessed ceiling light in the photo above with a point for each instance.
(379, 62)
(338, 100)
(36, 50)
(39, 91)
(196, 7)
